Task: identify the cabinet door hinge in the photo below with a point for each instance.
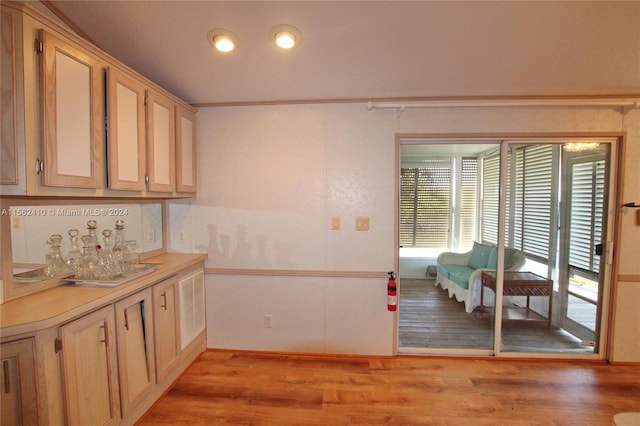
(57, 345)
(39, 46)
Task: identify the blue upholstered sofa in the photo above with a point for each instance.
(460, 273)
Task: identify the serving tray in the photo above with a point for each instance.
(116, 280)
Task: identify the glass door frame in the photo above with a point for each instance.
(505, 142)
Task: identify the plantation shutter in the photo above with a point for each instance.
(425, 204)
(587, 201)
(534, 198)
(490, 198)
(468, 198)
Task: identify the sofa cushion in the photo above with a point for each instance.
(479, 256)
(460, 274)
(443, 271)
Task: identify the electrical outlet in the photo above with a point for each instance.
(151, 236)
(268, 321)
(181, 236)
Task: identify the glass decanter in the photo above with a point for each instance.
(74, 256)
(109, 263)
(119, 245)
(92, 225)
(90, 269)
(55, 263)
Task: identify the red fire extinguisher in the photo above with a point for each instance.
(392, 298)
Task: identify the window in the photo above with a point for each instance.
(468, 201)
(425, 203)
(427, 198)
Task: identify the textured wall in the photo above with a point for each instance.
(270, 179)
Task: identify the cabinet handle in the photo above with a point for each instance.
(105, 340)
(163, 305)
(126, 320)
(7, 378)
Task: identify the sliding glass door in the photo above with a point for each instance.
(515, 230)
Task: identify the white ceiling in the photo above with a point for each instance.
(372, 49)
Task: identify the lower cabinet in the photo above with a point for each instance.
(18, 394)
(89, 366)
(118, 360)
(134, 334)
(165, 320)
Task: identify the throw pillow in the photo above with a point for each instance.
(492, 261)
(479, 256)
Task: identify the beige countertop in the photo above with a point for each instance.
(55, 306)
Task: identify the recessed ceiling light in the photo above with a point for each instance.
(285, 36)
(222, 40)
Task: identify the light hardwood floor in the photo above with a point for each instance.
(230, 388)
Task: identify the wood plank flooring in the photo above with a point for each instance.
(430, 319)
(227, 388)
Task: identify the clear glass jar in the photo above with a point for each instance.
(55, 263)
(74, 256)
(109, 264)
(92, 226)
(130, 257)
(90, 269)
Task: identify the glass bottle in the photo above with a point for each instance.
(119, 245)
(107, 260)
(90, 269)
(92, 225)
(74, 256)
(55, 263)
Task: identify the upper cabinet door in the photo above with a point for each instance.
(125, 131)
(8, 88)
(161, 143)
(72, 115)
(185, 150)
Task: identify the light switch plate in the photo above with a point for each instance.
(335, 223)
(362, 223)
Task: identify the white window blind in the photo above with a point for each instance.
(533, 200)
(490, 198)
(587, 204)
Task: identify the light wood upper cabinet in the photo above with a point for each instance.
(185, 150)
(134, 333)
(161, 143)
(72, 114)
(90, 369)
(18, 392)
(125, 131)
(10, 26)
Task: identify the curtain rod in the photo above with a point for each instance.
(626, 103)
